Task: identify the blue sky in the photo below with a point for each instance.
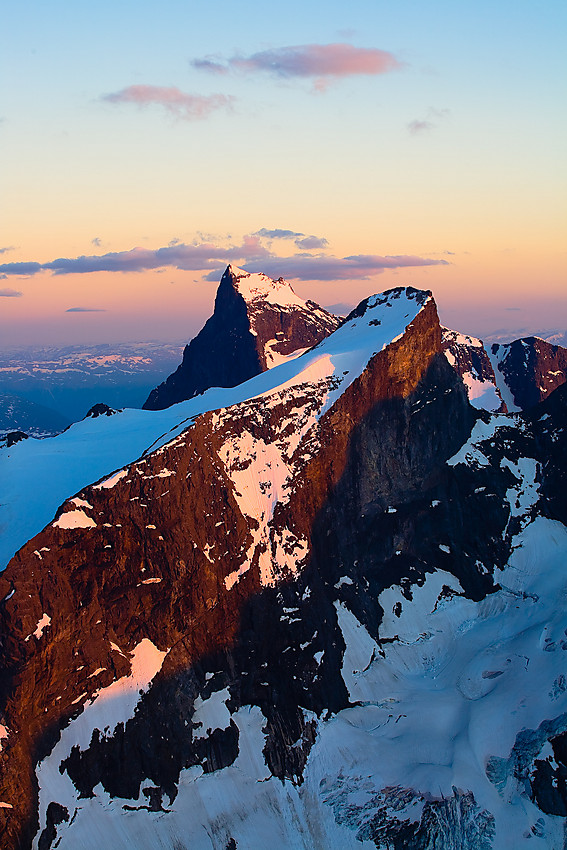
(454, 151)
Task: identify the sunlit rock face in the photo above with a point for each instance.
(257, 323)
(326, 613)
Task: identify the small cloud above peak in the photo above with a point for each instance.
(430, 122)
(189, 107)
(310, 243)
(416, 127)
(321, 62)
(277, 233)
(210, 64)
(302, 240)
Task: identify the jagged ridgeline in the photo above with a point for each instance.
(257, 323)
(323, 608)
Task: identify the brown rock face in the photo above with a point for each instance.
(180, 552)
(169, 553)
(468, 357)
(531, 368)
(256, 321)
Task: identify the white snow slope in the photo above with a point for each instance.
(37, 476)
(435, 708)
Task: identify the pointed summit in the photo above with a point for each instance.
(257, 323)
(260, 287)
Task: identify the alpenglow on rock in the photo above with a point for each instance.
(530, 368)
(257, 323)
(323, 610)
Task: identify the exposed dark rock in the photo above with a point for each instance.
(55, 815)
(468, 357)
(14, 437)
(532, 369)
(373, 499)
(242, 336)
(101, 409)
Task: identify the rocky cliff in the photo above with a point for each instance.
(530, 368)
(325, 615)
(468, 356)
(257, 323)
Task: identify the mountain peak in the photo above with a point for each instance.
(257, 323)
(324, 606)
(260, 287)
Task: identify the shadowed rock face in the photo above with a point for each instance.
(531, 368)
(468, 357)
(169, 554)
(246, 334)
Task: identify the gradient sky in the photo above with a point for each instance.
(348, 147)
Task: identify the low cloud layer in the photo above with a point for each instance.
(86, 310)
(251, 253)
(326, 267)
(320, 62)
(189, 107)
(10, 293)
(187, 257)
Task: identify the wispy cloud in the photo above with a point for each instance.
(210, 64)
(189, 107)
(10, 293)
(86, 310)
(6, 249)
(430, 121)
(310, 243)
(323, 63)
(305, 243)
(416, 127)
(96, 242)
(278, 233)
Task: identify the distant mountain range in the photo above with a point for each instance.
(45, 388)
(20, 414)
(66, 382)
(323, 609)
(555, 337)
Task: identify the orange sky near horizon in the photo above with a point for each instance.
(429, 132)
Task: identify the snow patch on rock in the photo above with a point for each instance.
(74, 519)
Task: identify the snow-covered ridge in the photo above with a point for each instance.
(436, 709)
(36, 477)
(254, 287)
(461, 339)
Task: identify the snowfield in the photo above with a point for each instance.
(37, 476)
(447, 709)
